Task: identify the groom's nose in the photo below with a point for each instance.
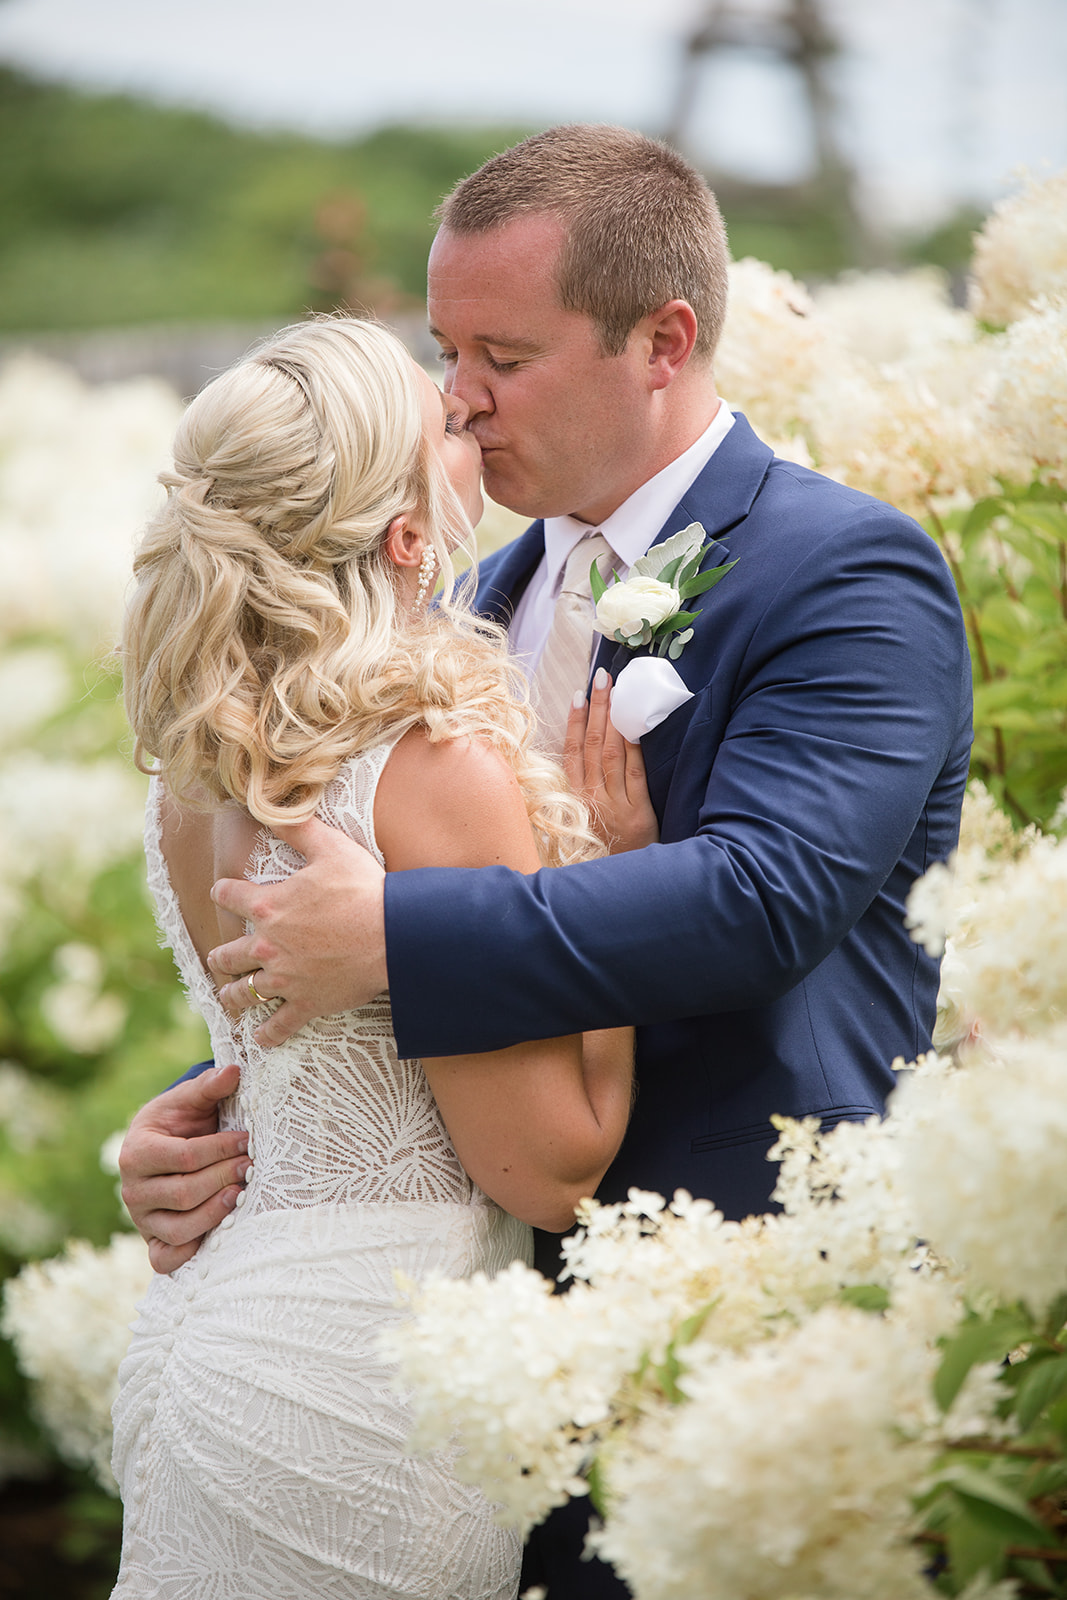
(467, 379)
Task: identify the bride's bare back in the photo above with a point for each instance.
(536, 1125)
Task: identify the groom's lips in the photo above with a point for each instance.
(489, 455)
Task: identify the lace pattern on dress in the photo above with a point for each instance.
(333, 1115)
(259, 1434)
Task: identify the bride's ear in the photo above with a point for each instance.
(403, 542)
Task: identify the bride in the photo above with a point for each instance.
(281, 659)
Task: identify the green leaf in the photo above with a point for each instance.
(995, 1507)
(1057, 1419)
(973, 1548)
(692, 1325)
(667, 1372)
(1048, 521)
(1049, 1478)
(594, 1476)
(691, 567)
(1035, 1574)
(866, 1296)
(980, 516)
(597, 584)
(705, 580)
(677, 619)
(981, 1340)
(1039, 1389)
(1057, 1316)
(667, 574)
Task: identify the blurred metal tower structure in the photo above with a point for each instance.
(794, 32)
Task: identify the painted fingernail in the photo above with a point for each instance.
(243, 1170)
(579, 700)
(600, 679)
(229, 1199)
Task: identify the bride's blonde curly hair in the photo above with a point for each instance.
(266, 639)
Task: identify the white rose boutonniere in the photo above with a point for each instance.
(647, 610)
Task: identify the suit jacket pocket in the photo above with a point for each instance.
(661, 745)
(763, 1132)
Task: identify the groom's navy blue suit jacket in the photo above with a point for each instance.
(760, 947)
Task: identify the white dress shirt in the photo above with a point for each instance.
(629, 531)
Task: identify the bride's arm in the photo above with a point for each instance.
(536, 1125)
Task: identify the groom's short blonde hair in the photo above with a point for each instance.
(642, 225)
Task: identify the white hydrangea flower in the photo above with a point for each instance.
(78, 468)
(69, 1320)
(29, 1108)
(53, 847)
(981, 1164)
(1021, 251)
(914, 433)
(27, 1228)
(51, 833)
(512, 1373)
(772, 348)
(78, 1011)
(789, 1471)
(841, 1194)
(888, 317)
(1007, 915)
(35, 683)
(529, 1384)
(1028, 404)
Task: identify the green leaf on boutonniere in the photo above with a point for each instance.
(669, 573)
(678, 644)
(703, 581)
(691, 567)
(599, 587)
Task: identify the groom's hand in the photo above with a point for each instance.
(318, 939)
(180, 1175)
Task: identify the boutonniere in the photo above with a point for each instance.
(647, 609)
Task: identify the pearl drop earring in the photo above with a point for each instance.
(427, 567)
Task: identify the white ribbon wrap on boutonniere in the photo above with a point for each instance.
(646, 691)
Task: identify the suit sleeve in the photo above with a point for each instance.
(848, 722)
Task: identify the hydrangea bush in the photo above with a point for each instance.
(960, 418)
(91, 1023)
(815, 1403)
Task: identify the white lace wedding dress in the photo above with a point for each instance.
(259, 1441)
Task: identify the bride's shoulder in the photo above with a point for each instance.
(451, 802)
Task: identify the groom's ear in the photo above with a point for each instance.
(403, 543)
(671, 334)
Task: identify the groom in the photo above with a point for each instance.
(577, 288)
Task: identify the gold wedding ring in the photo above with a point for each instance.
(261, 999)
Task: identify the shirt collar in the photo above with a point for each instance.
(631, 529)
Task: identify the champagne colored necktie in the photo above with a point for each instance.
(564, 666)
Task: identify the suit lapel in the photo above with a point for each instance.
(719, 498)
(503, 577)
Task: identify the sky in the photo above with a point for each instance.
(942, 101)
